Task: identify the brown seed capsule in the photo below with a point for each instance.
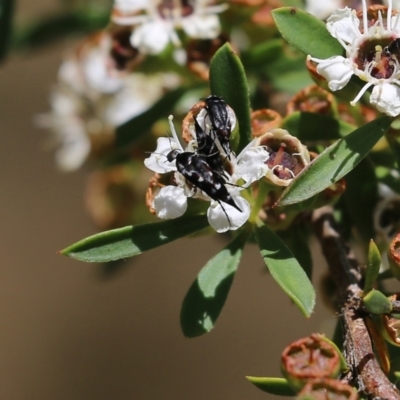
(264, 121)
(312, 99)
(310, 358)
(323, 389)
(394, 256)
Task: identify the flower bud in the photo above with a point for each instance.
(375, 302)
(310, 358)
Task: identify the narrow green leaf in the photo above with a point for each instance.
(315, 127)
(295, 238)
(361, 183)
(6, 14)
(276, 386)
(306, 32)
(133, 240)
(334, 162)
(206, 297)
(395, 147)
(132, 130)
(285, 269)
(228, 80)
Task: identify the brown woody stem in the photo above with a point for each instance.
(365, 371)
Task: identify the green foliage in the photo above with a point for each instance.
(360, 197)
(335, 162)
(276, 386)
(206, 297)
(305, 32)
(133, 240)
(373, 266)
(309, 126)
(285, 269)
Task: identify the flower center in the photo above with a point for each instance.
(379, 58)
(175, 8)
(283, 164)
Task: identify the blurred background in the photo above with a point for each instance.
(69, 332)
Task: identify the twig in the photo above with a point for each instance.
(358, 346)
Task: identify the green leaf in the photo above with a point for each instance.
(206, 297)
(306, 32)
(375, 302)
(361, 183)
(276, 386)
(290, 81)
(132, 130)
(133, 240)
(285, 269)
(334, 162)
(261, 54)
(6, 14)
(228, 80)
(295, 238)
(395, 147)
(315, 127)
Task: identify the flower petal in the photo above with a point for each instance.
(251, 164)
(151, 37)
(217, 217)
(170, 202)
(75, 145)
(336, 70)
(343, 24)
(386, 98)
(130, 6)
(322, 9)
(201, 26)
(158, 161)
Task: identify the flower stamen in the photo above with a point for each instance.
(361, 92)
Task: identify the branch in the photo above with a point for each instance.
(358, 347)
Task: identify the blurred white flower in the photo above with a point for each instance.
(155, 23)
(92, 98)
(371, 54)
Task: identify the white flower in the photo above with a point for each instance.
(368, 56)
(156, 26)
(92, 98)
(130, 6)
(170, 202)
(322, 9)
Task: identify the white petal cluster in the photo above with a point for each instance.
(171, 201)
(92, 98)
(344, 25)
(154, 24)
